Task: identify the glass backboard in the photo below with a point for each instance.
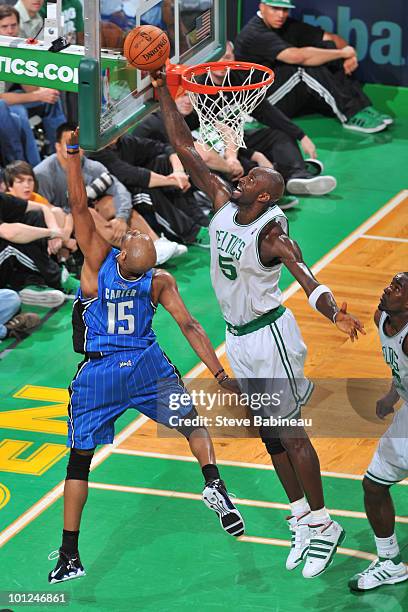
(114, 95)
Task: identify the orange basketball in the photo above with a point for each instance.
(147, 48)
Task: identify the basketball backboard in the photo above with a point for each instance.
(113, 95)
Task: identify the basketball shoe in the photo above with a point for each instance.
(323, 543)
(216, 498)
(299, 527)
(68, 567)
(381, 571)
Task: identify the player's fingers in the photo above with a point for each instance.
(344, 307)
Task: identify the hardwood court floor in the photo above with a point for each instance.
(357, 270)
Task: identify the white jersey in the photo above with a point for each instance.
(395, 357)
(244, 287)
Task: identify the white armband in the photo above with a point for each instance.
(316, 293)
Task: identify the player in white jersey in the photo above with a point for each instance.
(390, 462)
(249, 244)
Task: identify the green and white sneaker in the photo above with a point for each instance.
(203, 238)
(37, 295)
(324, 540)
(365, 122)
(387, 119)
(381, 571)
(300, 540)
(69, 283)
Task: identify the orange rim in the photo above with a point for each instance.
(213, 89)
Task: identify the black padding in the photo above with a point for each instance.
(187, 429)
(78, 466)
(271, 440)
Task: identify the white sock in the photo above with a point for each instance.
(320, 516)
(299, 507)
(387, 548)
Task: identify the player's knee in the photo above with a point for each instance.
(273, 446)
(79, 464)
(374, 489)
(188, 424)
(295, 445)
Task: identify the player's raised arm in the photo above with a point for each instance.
(165, 292)
(181, 139)
(277, 244)
(92, 245)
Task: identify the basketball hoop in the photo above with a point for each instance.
(221, 103)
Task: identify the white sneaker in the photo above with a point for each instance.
(300, 540)
(317, 186)
(215, 497)
(165, 250)
(381, 571)
(324, 540)
(42, 296)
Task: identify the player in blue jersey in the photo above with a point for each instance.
(124, 367)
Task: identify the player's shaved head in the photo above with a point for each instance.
(261, 186)
(272, 182)
(137, 255)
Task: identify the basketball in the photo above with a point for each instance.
(147, 48)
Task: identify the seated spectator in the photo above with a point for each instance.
(20, 182)
(27, 101)
(313, 68)
(112, 212)
(160, 188)
(12, 324)
(29, 237)
(31, 22)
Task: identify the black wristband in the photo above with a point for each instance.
(223, 379)
(219, 372)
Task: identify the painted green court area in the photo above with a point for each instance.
(146, 552)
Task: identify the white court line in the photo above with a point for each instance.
(386, 238)
(57, 491)
(50, 497)
(327, 259)
(255, 503)
(230, 462)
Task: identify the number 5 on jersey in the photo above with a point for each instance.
(227, 267)
(117, 314)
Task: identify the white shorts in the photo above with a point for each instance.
(272, 359)
(390, 462)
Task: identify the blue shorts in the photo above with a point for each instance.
(104, 388)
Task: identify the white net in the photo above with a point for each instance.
(223, 114)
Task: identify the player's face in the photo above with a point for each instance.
(395, 296)
(9, 26)
(23, 187)
(274, 16)
(249, 188)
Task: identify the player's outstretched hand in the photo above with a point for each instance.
(348, 324)
(384, 407)
(158, 77)
(231, 385)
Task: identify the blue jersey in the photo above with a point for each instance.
(120, 317)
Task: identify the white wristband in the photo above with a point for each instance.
(316, 293)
